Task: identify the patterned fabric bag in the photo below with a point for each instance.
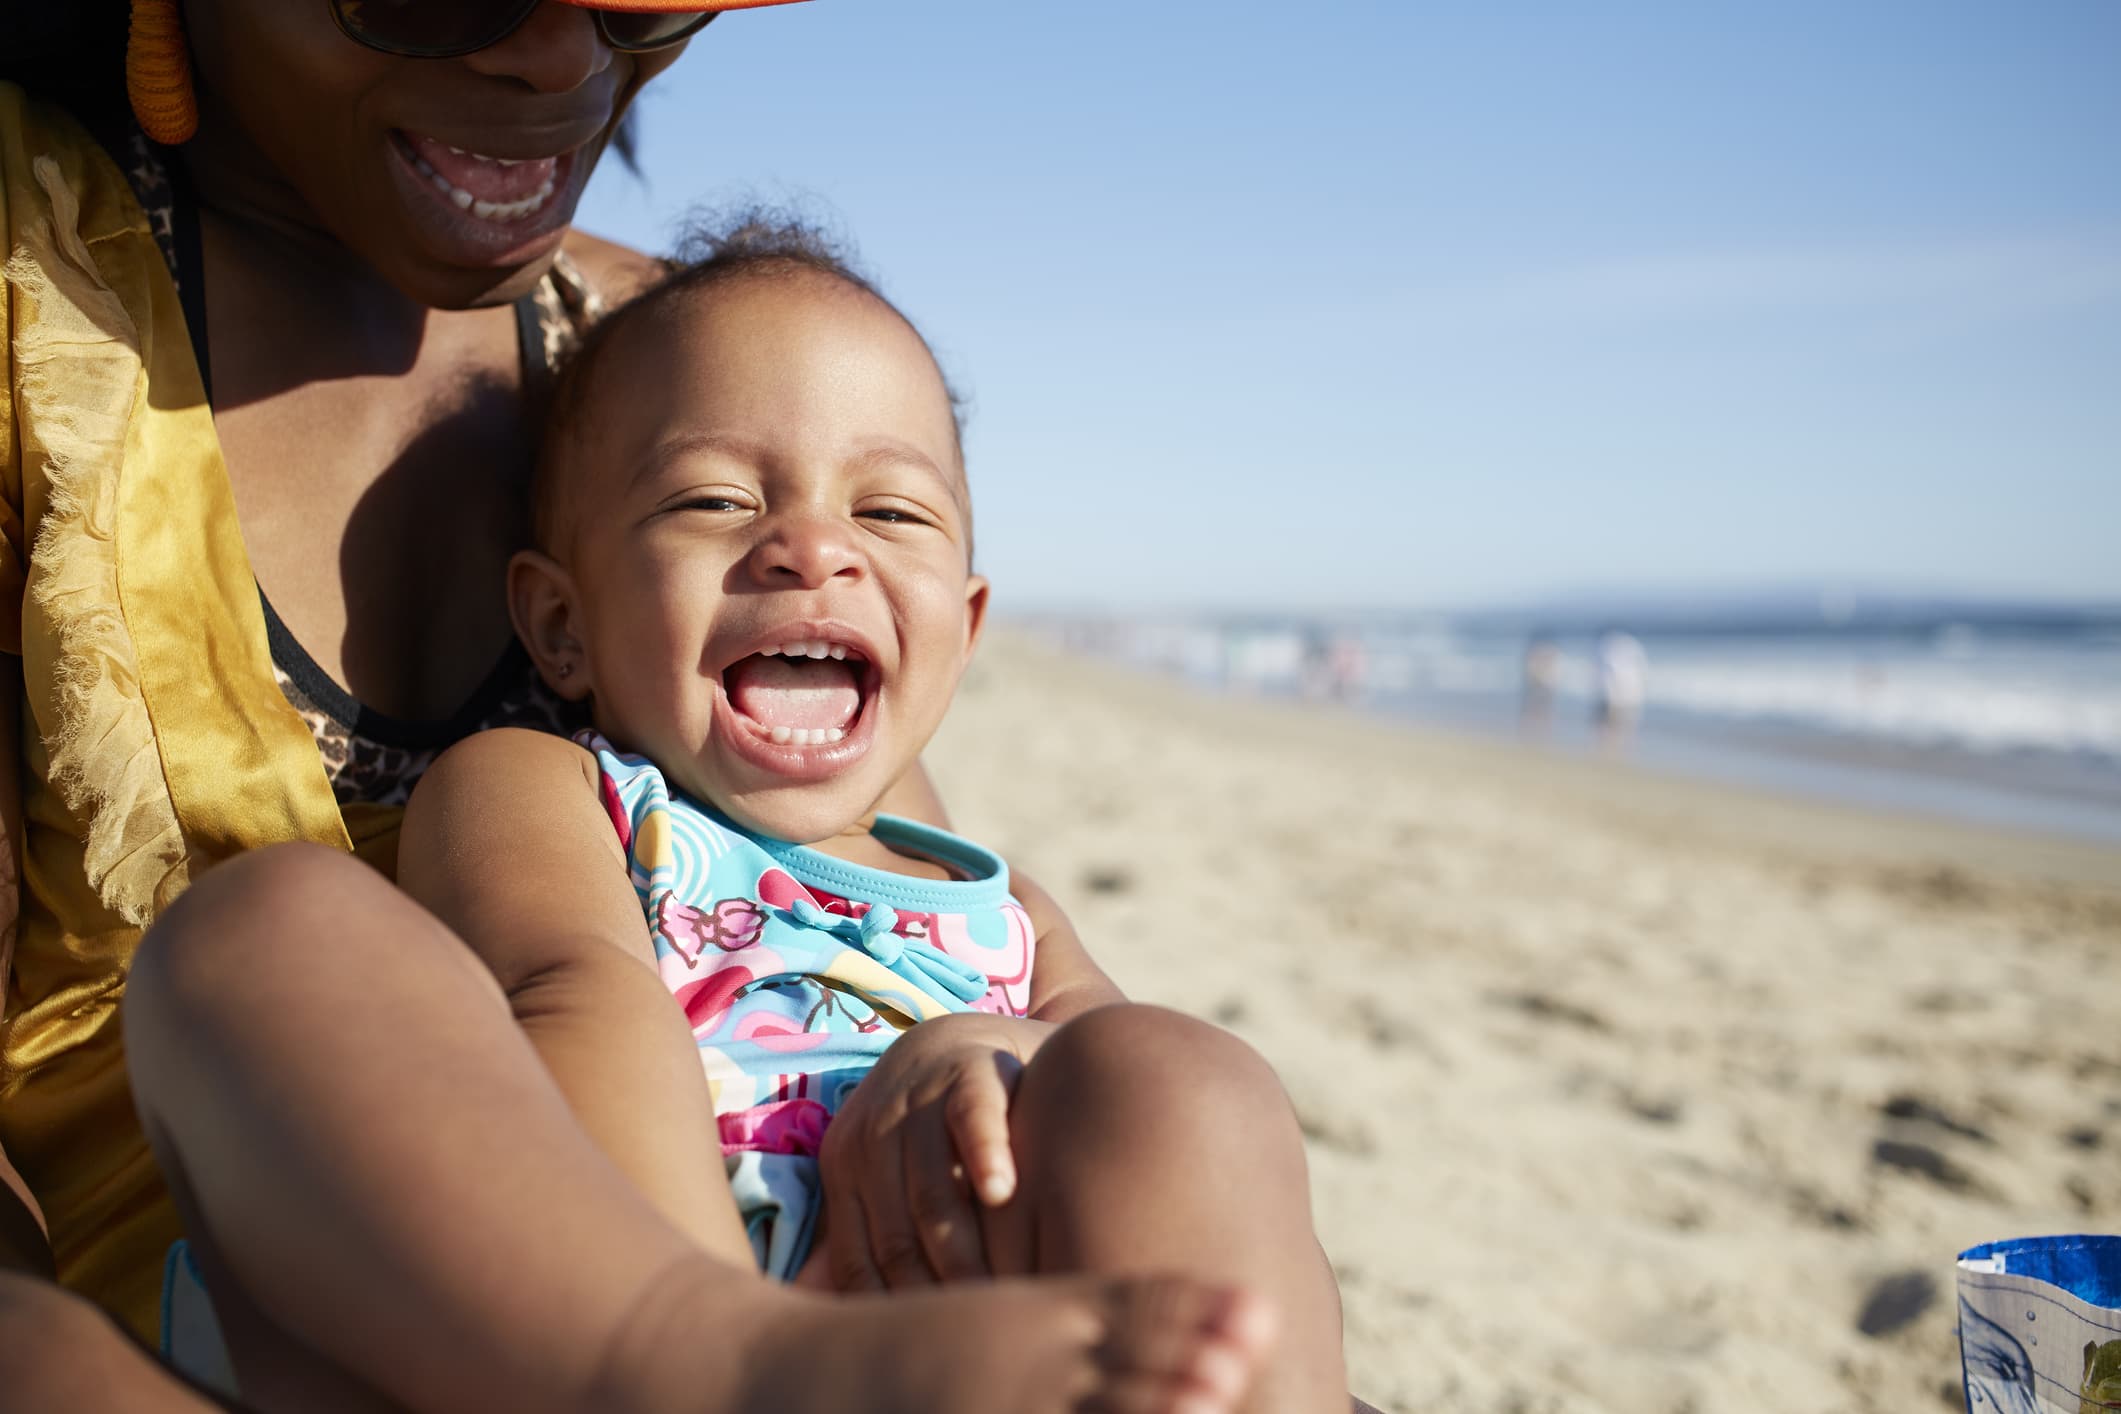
(2040, 1325)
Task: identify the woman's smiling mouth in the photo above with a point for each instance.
(479, 210)
(489, 188)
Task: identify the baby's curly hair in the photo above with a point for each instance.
(756, 243)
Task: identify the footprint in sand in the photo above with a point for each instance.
(1895, 1301)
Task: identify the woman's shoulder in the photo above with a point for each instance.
(616, 272)
(32, 131)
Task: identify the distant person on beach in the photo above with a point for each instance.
(808, 1039)
(1542, 679)
(1622, 684)
(1335, 666)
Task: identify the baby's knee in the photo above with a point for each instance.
(266, 920)
(1164, 1068)
(264, 902)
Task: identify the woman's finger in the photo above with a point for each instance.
(977, 1113)
(941, 1205)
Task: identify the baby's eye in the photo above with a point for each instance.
(893, 515)
(707, 503)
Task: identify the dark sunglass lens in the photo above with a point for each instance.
(429, 27)
(639, 29)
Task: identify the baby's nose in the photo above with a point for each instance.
(810, 551)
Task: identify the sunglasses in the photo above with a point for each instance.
(446, 29)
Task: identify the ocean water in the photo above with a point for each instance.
(2005, 719)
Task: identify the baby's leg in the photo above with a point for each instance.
(1149, 1141)
(392, 1202)
(377, 1173)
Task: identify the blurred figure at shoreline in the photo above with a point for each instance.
(1622, 684)
(1542, 679)
(1335, 666)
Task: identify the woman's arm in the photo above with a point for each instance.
(23, 1242)
(507, 842)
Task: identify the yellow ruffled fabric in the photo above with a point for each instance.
(78, 374)
(155, 738)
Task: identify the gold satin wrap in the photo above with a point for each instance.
(155, 741)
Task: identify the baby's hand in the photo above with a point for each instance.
(924, 1131)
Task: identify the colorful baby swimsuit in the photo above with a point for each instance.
(796, 970)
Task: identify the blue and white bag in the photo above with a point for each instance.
(2040, 1325)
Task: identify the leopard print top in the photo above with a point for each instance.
(370, 757)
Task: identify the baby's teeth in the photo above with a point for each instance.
(839, 650)
(781, 735)
(833, 734)
(816, 650)
(462, 198)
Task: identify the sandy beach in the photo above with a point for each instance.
(1624, 1093)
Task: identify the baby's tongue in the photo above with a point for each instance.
(794, 692)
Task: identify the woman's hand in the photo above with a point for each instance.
(924, 1132)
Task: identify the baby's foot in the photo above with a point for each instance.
(1051, 1345)
(1164, 1345)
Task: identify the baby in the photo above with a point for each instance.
(754, 573)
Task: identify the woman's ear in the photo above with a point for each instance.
(541, 602)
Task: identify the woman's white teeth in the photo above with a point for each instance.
(806, 650)
(497, 161)
(807, 736)
(484, 210)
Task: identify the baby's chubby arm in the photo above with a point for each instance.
(507, 842)
(1065, 982)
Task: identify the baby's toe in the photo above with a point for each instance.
(1169, 1339)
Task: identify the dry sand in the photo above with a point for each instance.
(1624, 1093)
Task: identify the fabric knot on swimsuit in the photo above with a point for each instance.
(878, 939)
(918, 962)
(872, 932)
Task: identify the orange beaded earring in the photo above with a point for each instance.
(158, 73)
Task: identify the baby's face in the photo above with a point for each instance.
(770, 549)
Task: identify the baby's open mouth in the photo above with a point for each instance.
(807, 693)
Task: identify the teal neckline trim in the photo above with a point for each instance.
(986, 884)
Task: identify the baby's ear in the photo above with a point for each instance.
(541, 602)
(976, 594)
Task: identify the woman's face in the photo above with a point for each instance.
(454, 179)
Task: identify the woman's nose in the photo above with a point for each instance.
(806, 552)
(556, 50)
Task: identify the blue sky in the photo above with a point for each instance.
(1350, 303)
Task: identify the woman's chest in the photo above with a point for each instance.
(379, 519)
